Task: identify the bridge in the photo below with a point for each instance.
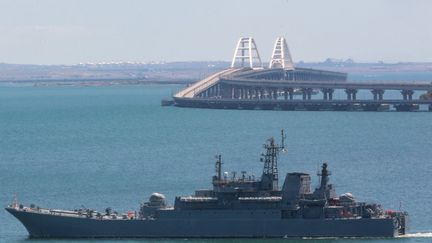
(248, 85)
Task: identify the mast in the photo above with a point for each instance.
(324, 174)
(269, 179)
(218, 168)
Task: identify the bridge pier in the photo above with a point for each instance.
(289, 93)
(327, 94)
(214, 91)
(307, 93)
(378, 94)
(243, 93)
(235, 93)
(255, 92)
(351, 94)
(261, 94)
(248, 94)
(274, 94)
(211, 91)
(407, 94)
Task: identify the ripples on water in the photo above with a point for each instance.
(63, 147)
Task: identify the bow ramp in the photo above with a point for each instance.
(204, 84)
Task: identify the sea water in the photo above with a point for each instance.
(98, 147)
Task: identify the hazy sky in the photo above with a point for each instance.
(74, 31)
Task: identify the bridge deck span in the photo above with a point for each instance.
(204, 84)
(426, 86)
(245, 88)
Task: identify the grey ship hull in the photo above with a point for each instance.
(55, 226)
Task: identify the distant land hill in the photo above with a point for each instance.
(349, 66)
(175, 72)
(169, 72)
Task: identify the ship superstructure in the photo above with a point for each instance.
(238, 205)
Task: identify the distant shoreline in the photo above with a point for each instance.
(180, 73)
(95, 82)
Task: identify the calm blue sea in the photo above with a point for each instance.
(63, 147)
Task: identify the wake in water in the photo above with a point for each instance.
(418, 235)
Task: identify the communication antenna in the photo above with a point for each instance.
(283, 136)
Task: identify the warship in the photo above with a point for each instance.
(238, 205)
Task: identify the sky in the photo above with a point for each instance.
(82, 31)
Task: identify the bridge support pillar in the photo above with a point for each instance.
(289, 93)
(351, 94)
(307, 93)
(255, 93)
(274, 94)
(211, 91)
(378, 94)
(236, 93)
(327, 94)
(407, 94)
(261, 94)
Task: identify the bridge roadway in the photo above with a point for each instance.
(281, 84)
(204, 84)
